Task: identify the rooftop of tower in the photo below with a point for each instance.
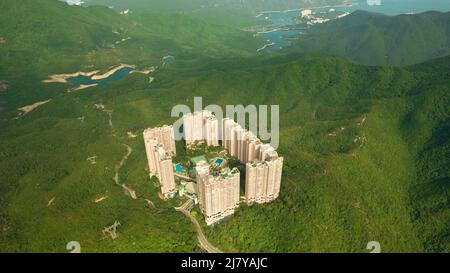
(162, 152)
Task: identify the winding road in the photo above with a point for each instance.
(124, 159)
(116, 179)
(203, 241)
(185, 208)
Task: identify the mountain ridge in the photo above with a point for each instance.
(378, 39)
(366, 148)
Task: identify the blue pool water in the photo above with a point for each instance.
(219, 161)
(179, 169)
(85, 80)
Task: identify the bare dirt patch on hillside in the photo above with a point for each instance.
(4, 86)
(28, 108)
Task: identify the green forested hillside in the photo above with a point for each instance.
(196, 6)
(383, 177)
(376, 39)
(46, 37)
(339, 192)
(236, 13)
(366, 148)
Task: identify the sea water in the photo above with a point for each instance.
(274, 32)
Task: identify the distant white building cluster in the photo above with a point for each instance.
(218, 187)
(160, 147)
(306, 13)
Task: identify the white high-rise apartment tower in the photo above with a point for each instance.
(263, 179)
(160, 146)
(193, 127)
(164, 135)
(211, 129)
(201, 126)
(165, 171)
(218, 195)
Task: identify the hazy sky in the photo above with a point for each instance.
(390, 7)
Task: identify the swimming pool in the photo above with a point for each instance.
(219, 161)
(179, 169)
